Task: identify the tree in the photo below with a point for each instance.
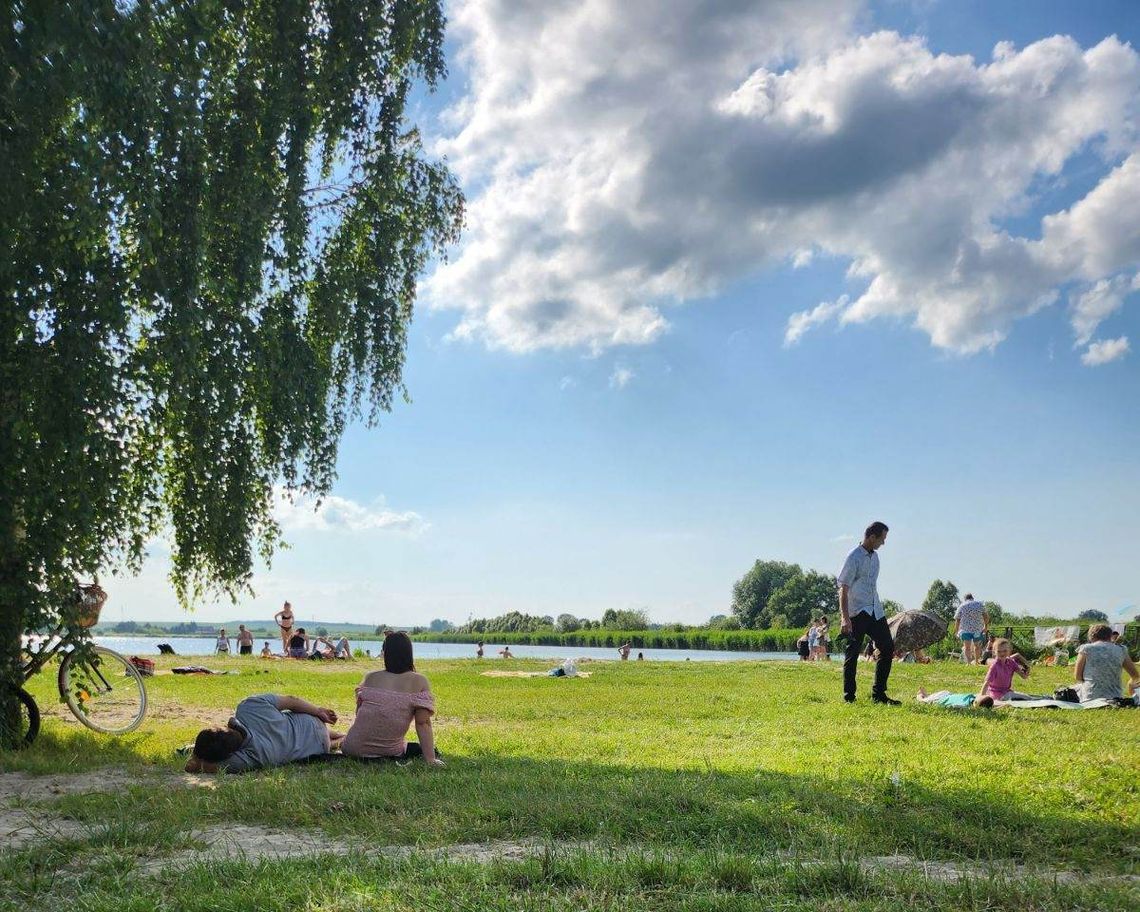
(381, 629)
(750, 593)
(891, 608)
(322, 631)
(625, 619)
(805, 596)
(994, 610)
(567, 623)
(1092, 614)
(215, 214)
(439, 625)
(941, 599)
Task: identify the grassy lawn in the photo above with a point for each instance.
(654, 785)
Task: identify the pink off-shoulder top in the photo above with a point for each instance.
(382, 720)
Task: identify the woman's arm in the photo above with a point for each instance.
(1079, 671)
(1130, 667)
(426, 737)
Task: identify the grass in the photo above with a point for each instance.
(656, 785)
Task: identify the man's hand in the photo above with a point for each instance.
(434, 761)
(326, 715)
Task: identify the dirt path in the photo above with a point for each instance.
(24, 824)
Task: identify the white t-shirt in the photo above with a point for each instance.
(860, 574)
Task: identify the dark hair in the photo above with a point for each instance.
(969, 596)
(217, 744)
(296, 640)
(876, 528)
(1099, 632)
(300, 630)
(397, 652)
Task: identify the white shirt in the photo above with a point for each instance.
(860, 574)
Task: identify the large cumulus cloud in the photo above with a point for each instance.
(625, 157)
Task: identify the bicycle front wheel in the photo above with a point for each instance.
(103, 690)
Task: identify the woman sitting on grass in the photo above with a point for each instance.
(1099, 663)
(386, 704)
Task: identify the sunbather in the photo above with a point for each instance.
(266, 730)
(955, 700)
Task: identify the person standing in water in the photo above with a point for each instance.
(862, 614)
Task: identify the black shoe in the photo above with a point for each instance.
(885, 700)
(849, 698)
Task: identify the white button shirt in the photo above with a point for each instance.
(860, 574)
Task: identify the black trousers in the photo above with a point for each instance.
(863, 625)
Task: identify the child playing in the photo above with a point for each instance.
(955, 700)
(1000, 671)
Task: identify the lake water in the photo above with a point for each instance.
(204, 646)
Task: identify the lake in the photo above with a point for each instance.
(204, 646)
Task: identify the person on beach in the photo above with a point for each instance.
(813, 641)
(988, 652)
(298, 645)
(266, 730)
(266, 652)
(803, 646)
(823, 639)
(244, 641)
(1099, 663)
(322, 648)
(284, 619)
(342, 650)
(862, 614)
(387, 702)
(971, 626)
(479, 650)
(623, 651)
(1000, 671)
(955, 700)
(222, 646)
(505, 652)
(641, 657)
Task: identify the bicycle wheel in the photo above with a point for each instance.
(28, 723)
(103, 690)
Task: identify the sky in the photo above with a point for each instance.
(737, 279)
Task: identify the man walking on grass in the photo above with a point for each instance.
(862, 614)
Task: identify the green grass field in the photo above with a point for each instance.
(648, 785)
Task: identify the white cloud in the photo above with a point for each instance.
(1099, 353)
(621, 377)
(1099, 303)
(621, 158)
(800, 323)
(301, 513)
(566, 383)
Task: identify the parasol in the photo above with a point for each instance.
(916, 629)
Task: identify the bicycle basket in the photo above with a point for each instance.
(91, 601)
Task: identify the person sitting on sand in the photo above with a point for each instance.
(266, 730)
(1099, 663)
(955, 700)
(387, 702)
(266, 652)
(342, 649)
(1000, 671)
(505, 652)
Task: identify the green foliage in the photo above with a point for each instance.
(942, 599)
(1092, 614)
(803, 597)
(750, 593)
(770, 640)
(994, 610)
(215, 215)
(511, 622)
(439, 625)
(625, 619)
(567, 623)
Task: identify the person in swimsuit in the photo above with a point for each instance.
(284, 619)
(222, 646)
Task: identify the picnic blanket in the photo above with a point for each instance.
(529, 674)
(1050, 703)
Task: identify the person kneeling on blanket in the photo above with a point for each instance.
(266, 730)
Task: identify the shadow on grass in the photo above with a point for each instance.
(489, 797)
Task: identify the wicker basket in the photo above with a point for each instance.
(91, 600)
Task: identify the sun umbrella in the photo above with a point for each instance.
(916, 629)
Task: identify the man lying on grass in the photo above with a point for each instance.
(266, 730)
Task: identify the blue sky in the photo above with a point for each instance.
(612, 405)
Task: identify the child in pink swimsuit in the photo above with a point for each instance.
(999, 675)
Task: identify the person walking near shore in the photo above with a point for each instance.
(244, 641)
(284, 619)
(862, 614)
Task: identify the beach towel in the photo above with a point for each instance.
(529, 674)
(1048, 703)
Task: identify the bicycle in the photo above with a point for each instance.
(102, 689)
